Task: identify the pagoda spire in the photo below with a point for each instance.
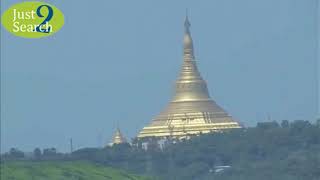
(189, 67)
(118, 138)
(191, 111)
(187, 40)
(189, 74)
(186, 22)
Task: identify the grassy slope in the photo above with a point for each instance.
(62, 171)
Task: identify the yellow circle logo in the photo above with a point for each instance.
(32, 19)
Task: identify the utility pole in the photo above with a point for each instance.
(318, 57)
(71, 146)
(99, 140)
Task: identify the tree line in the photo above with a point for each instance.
(271, 150)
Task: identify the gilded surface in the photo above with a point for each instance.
(191, 110)
(118, 138)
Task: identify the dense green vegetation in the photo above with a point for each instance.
(60, 170)
(270, 151)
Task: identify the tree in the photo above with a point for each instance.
(153, 145)
(16, 153)
(299, 125)
(318, 122)
(49, 152)
(37, 153)
(268, 125)
(285, 124)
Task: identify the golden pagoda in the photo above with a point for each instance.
(118, 138)
(191, 110)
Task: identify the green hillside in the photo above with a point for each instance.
(62, 171)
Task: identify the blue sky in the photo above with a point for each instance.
(117, 61)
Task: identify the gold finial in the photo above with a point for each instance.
(187, 40)
(186, 22)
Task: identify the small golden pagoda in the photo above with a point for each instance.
(191, 110)
(118, 138)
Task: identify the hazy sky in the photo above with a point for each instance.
(118, 61)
